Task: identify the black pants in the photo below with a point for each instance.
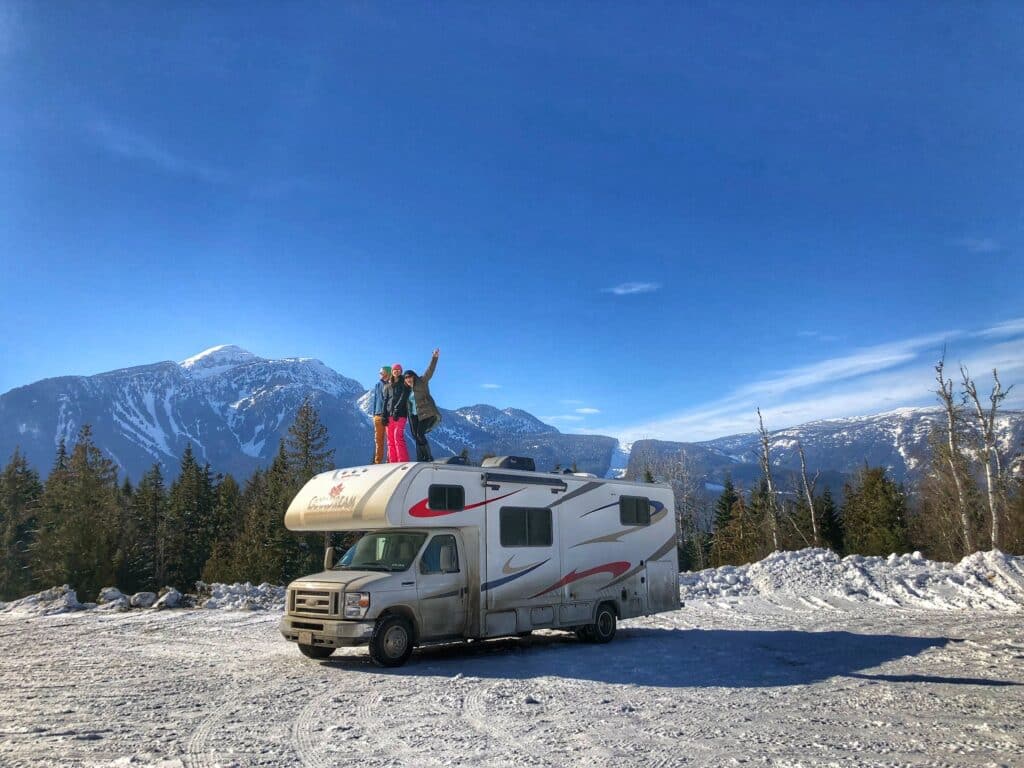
(419, 428)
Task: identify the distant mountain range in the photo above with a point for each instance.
(233, 407)
(896, 439)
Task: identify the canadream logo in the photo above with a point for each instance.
(336, 490)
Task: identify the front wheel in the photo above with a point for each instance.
(316, 651)
(391, 642)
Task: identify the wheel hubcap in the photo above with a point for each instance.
(604, 624)
(395, 642)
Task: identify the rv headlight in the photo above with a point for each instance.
(356, 604)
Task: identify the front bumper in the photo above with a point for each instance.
(325, 632)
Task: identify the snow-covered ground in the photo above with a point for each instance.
(802, 659)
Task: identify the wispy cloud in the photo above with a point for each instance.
(587, 411)
(979, 244)
(1008, 328)
(869, 380)
(629, 289)
(491, 386)
(123, 142)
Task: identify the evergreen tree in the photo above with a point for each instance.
(648, 475)
(19, 498)
(228, 524)
(874, 514)
(79, 520)
(185, 534)
(144, 518)
(307, 451)
(831, 525)
(740, 540)
(724, 505)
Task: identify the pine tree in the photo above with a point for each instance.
(307, 451)
(648, 475)
(874, 514)
(829, 520)
(724, 505)
(20, 490)
(145, 517)
(228, 524)
(185, 534)
(741, 540)
(79, 520)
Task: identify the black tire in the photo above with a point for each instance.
(316, 651)
(603, 629)
(586, 634)
(391, 642)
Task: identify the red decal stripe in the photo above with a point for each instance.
(420, 508)
(615, 569)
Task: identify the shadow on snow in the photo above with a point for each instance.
(675, 658)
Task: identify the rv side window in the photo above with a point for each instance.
(634, 510)
(525, 527)
(447, 497)
(440, 556)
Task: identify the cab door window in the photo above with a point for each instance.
(440, 556)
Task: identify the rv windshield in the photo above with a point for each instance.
(384, 551)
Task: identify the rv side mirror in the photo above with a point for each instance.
(328, 558)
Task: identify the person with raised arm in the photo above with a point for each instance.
(424, 414)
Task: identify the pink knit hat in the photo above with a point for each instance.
(396, 368)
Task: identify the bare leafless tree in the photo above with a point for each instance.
(766, 470)
(808, 487)
(945, 394)
(989, 451)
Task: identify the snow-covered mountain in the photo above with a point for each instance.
(233, 407)
(896, 439)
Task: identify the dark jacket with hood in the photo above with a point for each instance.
(426, 408)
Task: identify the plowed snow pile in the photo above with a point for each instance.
(984, 580)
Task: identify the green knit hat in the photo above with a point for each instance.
(386, 369)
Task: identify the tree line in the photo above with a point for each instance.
(85, 528)
(966, 499)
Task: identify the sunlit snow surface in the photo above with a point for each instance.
(802, 659)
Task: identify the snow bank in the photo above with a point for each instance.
(241, 597)
(984, 580)
(53, 600)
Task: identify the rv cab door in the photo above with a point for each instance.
(441, 587)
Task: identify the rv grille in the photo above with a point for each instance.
(314, 602)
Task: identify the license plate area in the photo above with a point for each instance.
(305, 638)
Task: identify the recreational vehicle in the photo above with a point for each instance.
(460, 552)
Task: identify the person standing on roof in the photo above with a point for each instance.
(396, 410)
(380, 420)
(424, 414)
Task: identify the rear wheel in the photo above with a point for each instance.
(603, 628)
(316, 651)
(391, 642)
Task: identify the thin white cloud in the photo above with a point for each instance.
(564, 417)
(491, 386)
(587, 411)
(629, 289)
(879, 378)
(1008, 328)
(980, 244)
(124, 142)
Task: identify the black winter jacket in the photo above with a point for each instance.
(396, 400)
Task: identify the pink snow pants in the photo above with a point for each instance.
(397, 449)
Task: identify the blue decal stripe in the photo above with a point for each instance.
(507, 579)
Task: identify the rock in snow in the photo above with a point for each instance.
(61, 599)
(143, 599)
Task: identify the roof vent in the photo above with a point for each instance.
(510, 462)
(461, 461)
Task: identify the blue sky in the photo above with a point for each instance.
(642, 220)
